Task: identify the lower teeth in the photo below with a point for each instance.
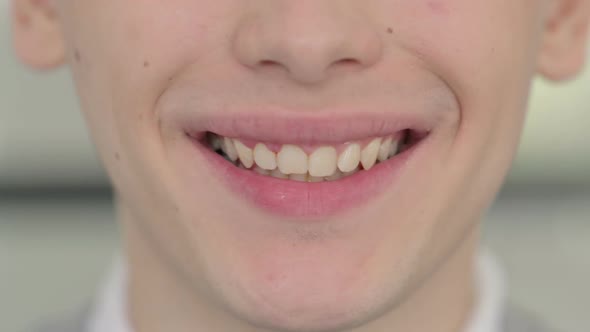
(293, 177)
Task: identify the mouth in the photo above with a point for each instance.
(308, 170)
(310, 163)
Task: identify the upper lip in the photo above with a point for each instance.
(295, 127)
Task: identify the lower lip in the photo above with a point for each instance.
(307, 201)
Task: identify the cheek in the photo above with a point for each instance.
(485, 51)
(125, 56)
(480, 48)
(119, 74)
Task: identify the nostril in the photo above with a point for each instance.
(348, 61)
(271, 65)
(346, 64)
(266, 63)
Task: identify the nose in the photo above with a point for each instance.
(311, 40)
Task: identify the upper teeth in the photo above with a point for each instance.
(325, 162)
(245, 153)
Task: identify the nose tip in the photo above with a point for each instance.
(307, 43)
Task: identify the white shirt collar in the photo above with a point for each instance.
(110, 312)
(488, 314)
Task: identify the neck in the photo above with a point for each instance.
(162, 299)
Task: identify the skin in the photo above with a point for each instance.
(192, 263)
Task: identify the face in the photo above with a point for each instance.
(389, 125)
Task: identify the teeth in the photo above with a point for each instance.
(349, 158)
(245, 154)
(276, 173)
(369, 154)
(315, 179)
(298, 177)
(292, 160)
(322, 161)
(384, 150)
(261, 171)
(394, 148)
(337, 175)
(354, 171)
(229, 149)
(264, 158)
(216, 142)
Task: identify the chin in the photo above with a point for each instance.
(299, 307)
(318, 285)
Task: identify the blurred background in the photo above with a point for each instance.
(58, 236)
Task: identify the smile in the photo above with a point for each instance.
(306, 163)
(306, 168)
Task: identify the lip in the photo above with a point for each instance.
(308, 128)
(305, 201)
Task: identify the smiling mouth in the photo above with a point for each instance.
(311, 163)
(304, 166)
